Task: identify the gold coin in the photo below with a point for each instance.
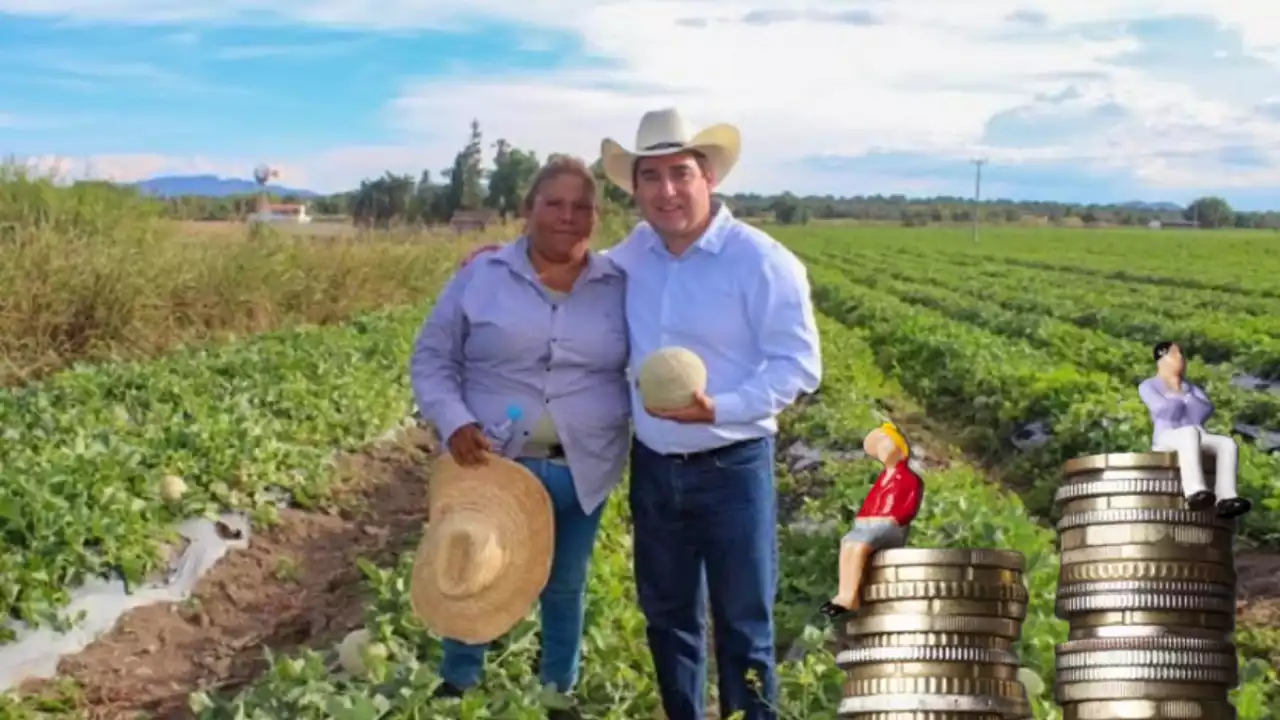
(909, 715)
(1218, 553)
(972, 557)
(916, 653)
(1124, 502)
(870, 671)
(1214, 646)
(1137, 690)
(1107, 632)
(915, 622)
(1194, 675)
(1145, 534)
(936, 639)
(1176, 659)
(943, 573)
(943, 606)
(859, 705)
(1152, 516)
(1154, 602)
(920, 589)
(1123, 461)
(1146, 570)
(1150, 710)
(1167, 618)
(937, 685)
(1117, 483)
(1147, 587)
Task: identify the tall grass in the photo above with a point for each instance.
(92, 272)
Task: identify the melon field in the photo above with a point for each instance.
(268, 366)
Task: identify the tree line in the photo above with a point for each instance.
(433, 198)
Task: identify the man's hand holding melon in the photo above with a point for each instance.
(673, 386)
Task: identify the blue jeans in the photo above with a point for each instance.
(708, 521)
(563, 600)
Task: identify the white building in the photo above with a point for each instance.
(281, 213)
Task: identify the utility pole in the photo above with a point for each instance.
(977, 193)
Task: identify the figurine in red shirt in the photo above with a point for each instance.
(884, 519)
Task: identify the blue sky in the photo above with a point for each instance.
(1117, 100)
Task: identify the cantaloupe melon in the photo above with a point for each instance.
(172, 488)
(669, 377)
(358, 651)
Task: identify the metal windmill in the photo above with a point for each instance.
(262, 175)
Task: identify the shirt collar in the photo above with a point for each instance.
(516, 256)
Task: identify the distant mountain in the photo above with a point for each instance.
(1152, 207)
(210, 186)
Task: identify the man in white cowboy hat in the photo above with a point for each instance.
(702, 488)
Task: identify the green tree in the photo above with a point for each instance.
(788, 210)
(466, 178)
(1212, 212)
(384, 201)
(513, 171)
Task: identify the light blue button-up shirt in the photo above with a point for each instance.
(1171, 410)
(497, 337)
(740, 300)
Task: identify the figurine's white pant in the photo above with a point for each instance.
(1188, 442)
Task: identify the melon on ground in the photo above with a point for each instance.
(669, 377)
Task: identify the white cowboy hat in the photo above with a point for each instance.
(486, 554)
(665, 132)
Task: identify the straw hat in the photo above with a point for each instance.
(486, 553)
(665, 132)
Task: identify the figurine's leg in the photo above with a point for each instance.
(1185, 441)
(1226, 456)
(855, 549)
(853, 564)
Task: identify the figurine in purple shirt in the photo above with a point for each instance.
(539, 324)
(1179, 410)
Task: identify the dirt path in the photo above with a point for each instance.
(297, 584)
(1258, 589)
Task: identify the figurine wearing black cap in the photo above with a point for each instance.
(1179, 410)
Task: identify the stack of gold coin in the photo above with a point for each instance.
(1147, 587)
(934, 636)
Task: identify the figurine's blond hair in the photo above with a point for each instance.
(896, 436)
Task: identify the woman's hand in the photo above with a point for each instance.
(468, 445)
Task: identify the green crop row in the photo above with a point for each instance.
(82, 452)
(1219, 332)
(1019, 313)
(1224, 334)
(1235, 268)
(1259, 312)
(980, 380)
(1232, 262)
(1212, 273)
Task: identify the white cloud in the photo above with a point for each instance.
(826, 78)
